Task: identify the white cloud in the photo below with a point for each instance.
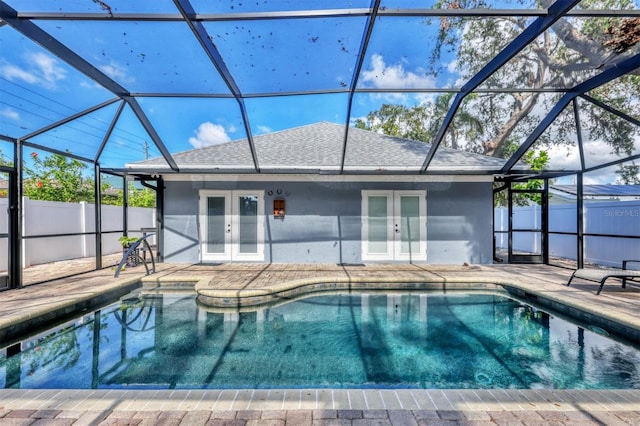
(596, 152)
(12, 73)
(10, 114)
(117, 72)
(48, 66)
(89, 85)
(209, 134)
(563, 157)
(383, 76)
(40, 69)
(264, 129)
(601, 178)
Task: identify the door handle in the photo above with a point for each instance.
(397, 229)
(228, 228)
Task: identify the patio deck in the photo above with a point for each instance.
(57, 298)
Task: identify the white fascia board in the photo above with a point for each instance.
(323, 178)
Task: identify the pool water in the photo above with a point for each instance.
(369, 340)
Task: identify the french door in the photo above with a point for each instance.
(231, 225)
(394, 225)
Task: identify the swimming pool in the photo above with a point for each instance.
(367, 340)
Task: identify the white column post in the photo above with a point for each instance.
(26, 261)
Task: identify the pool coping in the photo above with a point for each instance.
(247, 400)
(14, 326)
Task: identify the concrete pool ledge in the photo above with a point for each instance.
(257, 297)
(31, 313)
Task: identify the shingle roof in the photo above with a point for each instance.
(319, 146)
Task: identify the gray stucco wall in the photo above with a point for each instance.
(322, 222)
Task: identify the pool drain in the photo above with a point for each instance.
(483, 379)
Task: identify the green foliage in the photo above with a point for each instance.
(537, 161)
(127, 241)
(422, 122)
(399, 121)
(629, 174)
(137, 197)
(61, 350)
(144, 197)
(4, 161)
(57, 178)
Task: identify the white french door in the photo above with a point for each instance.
(231, 225)
(394, 225)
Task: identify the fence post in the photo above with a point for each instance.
(26, 260)
(579, 221)
(83, 227)
(536, 225)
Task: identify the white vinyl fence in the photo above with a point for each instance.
(611, 218)
(51, 217)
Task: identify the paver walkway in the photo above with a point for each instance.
(299, 407)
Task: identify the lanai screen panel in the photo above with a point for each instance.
(37, 89)
(560, 143)
(82, 136)
(608, 137)
(283, 138)
(84, 6)
(188, 123)
(128, 142)
(573, 50)
(458, 4)
(296, 54)
(431, 52)
(144, 57)
(620, 95)
(266, 6)
(403, 126)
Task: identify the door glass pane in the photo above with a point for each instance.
(215, 224)
(527, 243)
(409, 224)
(527, 217)
(377, 224)
(248, 221)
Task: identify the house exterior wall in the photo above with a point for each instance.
(323, 224)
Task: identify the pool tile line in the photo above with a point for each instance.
(449, 405)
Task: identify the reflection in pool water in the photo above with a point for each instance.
(369, 340)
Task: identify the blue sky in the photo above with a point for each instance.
(278, 57)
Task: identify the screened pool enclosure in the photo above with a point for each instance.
(127, 91)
